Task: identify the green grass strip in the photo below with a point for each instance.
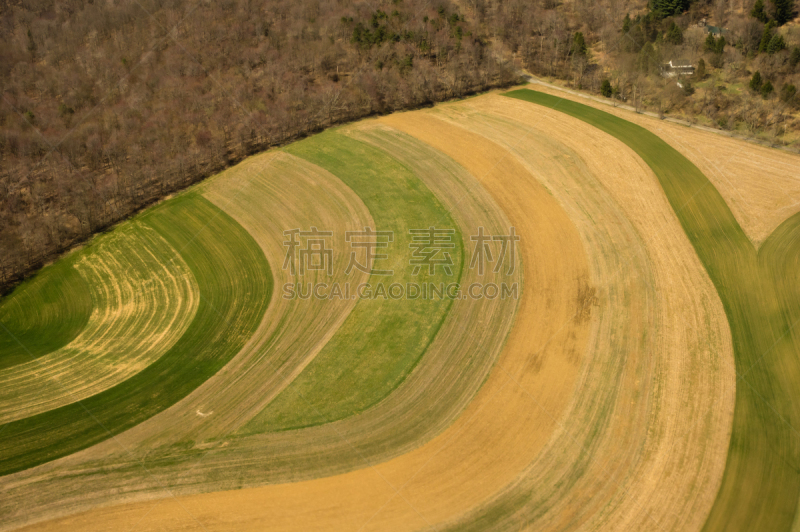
(44, 313)
(235, 285)
(759, 291)
(383, 339)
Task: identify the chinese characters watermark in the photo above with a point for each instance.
(431, 252)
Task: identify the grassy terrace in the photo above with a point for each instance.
(235, 285)
(383, 339)
(141, 305)
(63, 302)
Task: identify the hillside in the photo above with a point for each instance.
(467, 265)
(110, 106)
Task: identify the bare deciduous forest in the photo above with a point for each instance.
(109, 106)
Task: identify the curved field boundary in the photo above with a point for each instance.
(142, 306)
(266, 194)
(442, 384)
(235, 285)
(761, 484)
(498, 433)
(382, 339)
(625, 458)
(63, 302)
(458, 363)
(276, 199)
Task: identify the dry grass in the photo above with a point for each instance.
(609, 407)
(498, 434)
(445, 380)
(760, 486)
(760, 185)
(627, 457)
(264, 196)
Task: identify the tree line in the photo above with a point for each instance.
(109, 106)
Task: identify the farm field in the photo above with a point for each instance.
(187, 370)
(764, 444)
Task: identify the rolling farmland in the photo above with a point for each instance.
(320, 337)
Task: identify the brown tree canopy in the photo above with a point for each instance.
(108, 106)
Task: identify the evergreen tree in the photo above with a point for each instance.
(700, 72)
(651, 28)
(626, 24)
(766, 37)
(666, 8)
(784, 11)
(794, 57)
(766, 89)
(756, 81)
(31, 44)
(606, 89)
(710, 44)
(633, 41)
(788, 92)
(674, 34)
(719, 46)
(579, 44)
(776, 44)
(648, 61)
(758, 12)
